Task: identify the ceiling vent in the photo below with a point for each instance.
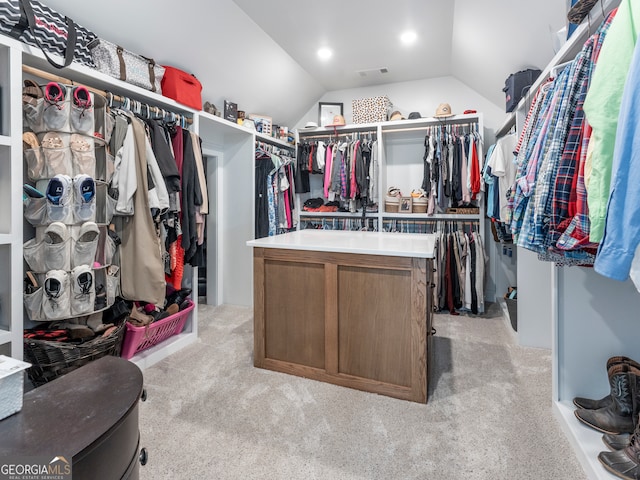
(372, 72)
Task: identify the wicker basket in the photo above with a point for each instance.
(419, 205)
(392, 204)
(51, 360)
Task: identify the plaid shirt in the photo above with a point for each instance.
(556, 208)
(576, 234)
(551, 163)
(525, 137)
(525, 185)
(538, 178)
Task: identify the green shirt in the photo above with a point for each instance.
(602, 106)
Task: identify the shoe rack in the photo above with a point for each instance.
(10, 198)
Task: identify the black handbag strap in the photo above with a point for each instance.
(25, 5)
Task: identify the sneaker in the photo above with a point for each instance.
(55, 111)
(84, 202)
(82, 118)
(56, 288)
(83, 293)
(59, 197)
(56, 247)
(84, 249)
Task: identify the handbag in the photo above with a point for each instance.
(129, 67)
(39, 26)
(183, 87)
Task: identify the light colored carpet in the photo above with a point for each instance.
(211, 415)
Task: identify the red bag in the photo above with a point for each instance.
(182, 87)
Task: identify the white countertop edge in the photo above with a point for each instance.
(364, 243)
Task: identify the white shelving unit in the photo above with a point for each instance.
(12, 241)
(10, 197)
(400, 150)
(587, 317)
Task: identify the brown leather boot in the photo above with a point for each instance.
(616, 442)
(621, 415)
(590, 404)
(624, 463)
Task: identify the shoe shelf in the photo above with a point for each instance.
(586, 442)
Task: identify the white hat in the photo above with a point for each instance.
(310, 125)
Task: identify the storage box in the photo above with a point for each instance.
(371, 110)
(11, 385)
(517, 85)
(137, 339)
(183, 87)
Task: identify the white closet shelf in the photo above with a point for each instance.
(5, 239)
(82, 74)
(5, 141)
(434, 217)
(350, 128)
(586, 441)
(273, 140)
(5, 336)
(424, 123)
(337, 214)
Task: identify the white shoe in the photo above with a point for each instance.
(55, 304)
(83, 290)
(57, 251)
(59, 197)
(84, 249)
(84, 198)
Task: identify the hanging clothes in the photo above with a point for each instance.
(547, 211)
(141, 268)
(459, 262)
(275, 186)
(451, 167)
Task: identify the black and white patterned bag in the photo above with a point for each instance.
(40, 26)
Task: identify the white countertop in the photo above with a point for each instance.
(419, 245)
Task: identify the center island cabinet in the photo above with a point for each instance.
(348, 308)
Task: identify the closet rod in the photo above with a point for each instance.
(428, 127)
(121, 99)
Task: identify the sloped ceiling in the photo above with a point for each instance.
(262, 55)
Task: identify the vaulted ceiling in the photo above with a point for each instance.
(262, 55)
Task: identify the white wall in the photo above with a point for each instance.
(422, 96)
(213, 39)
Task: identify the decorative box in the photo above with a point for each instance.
(371, 110)
(11, 385)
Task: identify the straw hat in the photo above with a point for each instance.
(396, 116)
(338, 121)
(443, 110)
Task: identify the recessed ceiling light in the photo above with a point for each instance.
(408, 37)
(325, 53)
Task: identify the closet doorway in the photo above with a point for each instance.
(208, 275)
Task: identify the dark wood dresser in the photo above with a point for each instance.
(89, 415)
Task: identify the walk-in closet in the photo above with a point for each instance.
(337, 240)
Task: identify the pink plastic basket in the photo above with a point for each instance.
(137, 339)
